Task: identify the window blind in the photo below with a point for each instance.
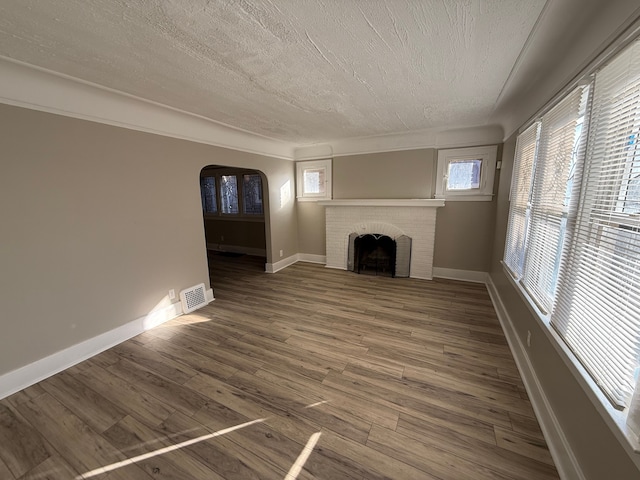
(597, 309)
(556, 162)
(519, 197)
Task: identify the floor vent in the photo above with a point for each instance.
(193, 298)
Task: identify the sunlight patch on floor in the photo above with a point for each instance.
(183, 320)
(317, 404)
(296, 468)
(162, 451)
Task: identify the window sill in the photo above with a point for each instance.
(615, 419)
(466, 198)
(312, 199)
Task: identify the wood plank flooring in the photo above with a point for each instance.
(402, 378)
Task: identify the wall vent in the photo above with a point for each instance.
(193, 298)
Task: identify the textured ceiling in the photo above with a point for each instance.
(302, 71)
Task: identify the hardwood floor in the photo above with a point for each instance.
(401, 378)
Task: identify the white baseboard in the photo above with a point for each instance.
(208, 294)
(258, 252)
(462, 275)
(298, 257)
(311, 258)
(559, 447)
(284, 263)
(39, 370)
(334, 267)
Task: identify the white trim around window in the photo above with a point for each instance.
(313, 180)
(466, 174)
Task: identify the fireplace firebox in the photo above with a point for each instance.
(378, 254)
(375, 255)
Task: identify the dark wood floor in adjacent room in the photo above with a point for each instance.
(401, 379)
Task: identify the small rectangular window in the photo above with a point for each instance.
(313, 180)
(466, 173)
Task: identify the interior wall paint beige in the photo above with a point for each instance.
(598, 452)
(99, 222)
(464, 235)
(402, 174)
(311, 228)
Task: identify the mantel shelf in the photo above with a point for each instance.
(384, 202)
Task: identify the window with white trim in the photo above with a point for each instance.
(313, 180)
(573, 238)
(466, 173)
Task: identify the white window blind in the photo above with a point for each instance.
(548, 155)
(597, 310)
(556, 162)
(519, 198)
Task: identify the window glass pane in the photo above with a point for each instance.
(464, 174)
(632, 197)
(208, 193)
(252, 194)
(229, 194)
(314, 181)
(629, 198)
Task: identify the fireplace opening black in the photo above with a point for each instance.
(379, 254)
(374, 255)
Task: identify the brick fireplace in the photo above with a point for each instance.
(413, 218)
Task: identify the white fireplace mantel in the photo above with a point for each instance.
(384, 202)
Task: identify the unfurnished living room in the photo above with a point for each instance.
(330, 239)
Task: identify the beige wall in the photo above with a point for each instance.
(598, 452)
(311, 228)
(404, 174)
(464, 230)
(99, 222)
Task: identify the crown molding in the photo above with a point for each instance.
(27, 86)
(36, 88)
(428, 138)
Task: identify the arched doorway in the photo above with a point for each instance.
(235, 216)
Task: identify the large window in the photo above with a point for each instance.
(573, 240)
(231, 193)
